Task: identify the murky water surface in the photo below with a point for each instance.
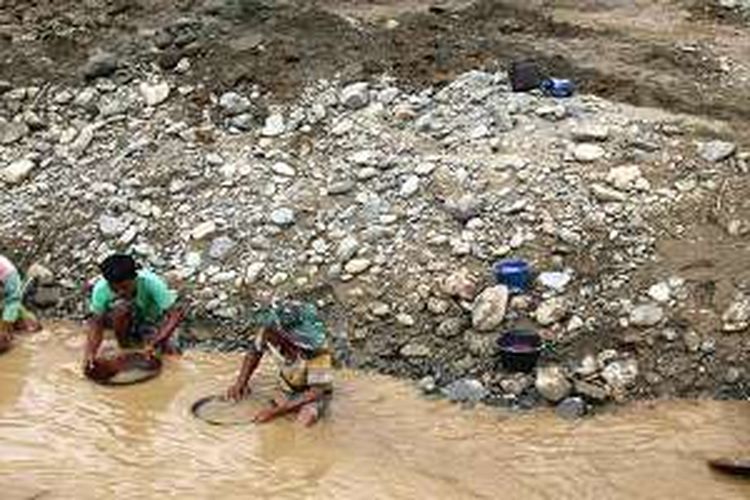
(63, 437)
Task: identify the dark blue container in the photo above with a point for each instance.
(556, 87)
(515, 274)
(519, 350)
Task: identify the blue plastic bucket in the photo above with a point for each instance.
(515, 274)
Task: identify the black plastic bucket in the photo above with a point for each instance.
(519, 350)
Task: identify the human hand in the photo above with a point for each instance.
(88, 362)
(149, 350)
(265, 415)
(237, 391)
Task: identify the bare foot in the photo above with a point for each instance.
(308, 415)
(29, 326)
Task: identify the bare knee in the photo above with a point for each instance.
(308, 415)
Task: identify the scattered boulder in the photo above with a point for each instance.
(516, 384)
(283, 169)
(451, 327)
(588, 132)
(112, 226)
(415, 350)
(17, 172)
(100, 65)
(46, 297)
(737, 316)
(716, 151)
(221, 247)
(588, 153)
(234, 104)
(460, 284)
(356, 95)
(404, 319)
(571, 408)
(479, 344)
(463, 208)
(551, 311)
(733, 375)
(203, 230)
(624, 177)
(254, 271)
(466, 390)
(347, 248)
(410, 186)
(357, 266)
(489, 308)
(274, 126)
(340, 187)
(606, 194)
(154, 93)
(283, 217)
(556, 281)
(660, 292)
(40, 274)
(243, 122)
(552, 383)
(593, 392)
(646, 315)
(621, 374)
(11, 132)
(427, 385)
(588, 366)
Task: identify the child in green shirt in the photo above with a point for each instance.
(137, 304)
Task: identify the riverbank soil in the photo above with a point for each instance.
(373, 151)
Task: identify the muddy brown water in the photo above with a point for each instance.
(63, 437)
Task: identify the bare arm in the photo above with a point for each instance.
(94, 339)
(172, 320)
(249, 365)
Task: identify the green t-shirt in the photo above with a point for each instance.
(153, 297)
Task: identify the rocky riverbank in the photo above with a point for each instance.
(388, 205)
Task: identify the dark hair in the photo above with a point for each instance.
(118, 268)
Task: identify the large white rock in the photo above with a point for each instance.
(624, 177)
(587, 153)
(154, 93)
(283, 216)
(17, 172)
(283, 169)
(621, 374)
(490, 308)
(356, 95)
(737, 316)
(203, 230)
(274, 126)
(357, 266)
(410, 186)
(646, 315)
(551, 311)
(552, 383)
(716, 151)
